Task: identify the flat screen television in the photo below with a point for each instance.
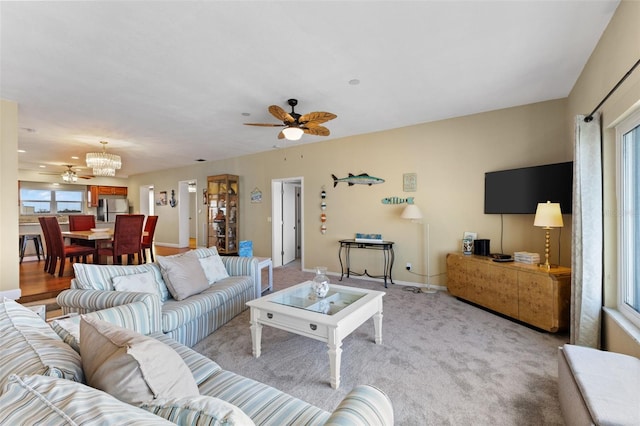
(518, 191)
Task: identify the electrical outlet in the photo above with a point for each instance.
(408, 266)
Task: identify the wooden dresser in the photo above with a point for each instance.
(528, 293)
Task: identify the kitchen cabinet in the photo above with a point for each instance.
(112, 190)
(94, 192)
(528, 293)
(223, 213)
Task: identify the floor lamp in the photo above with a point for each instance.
(548, 215)
(413, 213)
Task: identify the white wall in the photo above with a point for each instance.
(450, 158)
(9, 272)
(617, 50)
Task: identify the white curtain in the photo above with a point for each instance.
(586, 245)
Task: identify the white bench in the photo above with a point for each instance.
(598, 387)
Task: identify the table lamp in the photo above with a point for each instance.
(548, 215)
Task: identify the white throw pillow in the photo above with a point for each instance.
(204, 409)
(140, 283)
(130, 366)
(183, 275)
(213, 268)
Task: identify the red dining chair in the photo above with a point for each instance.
(147, 240)
(62, 251)
(48, 244)
(82, 222)
(127, 239)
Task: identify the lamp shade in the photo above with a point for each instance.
(548, 215)
(411, 211)
(292, 133)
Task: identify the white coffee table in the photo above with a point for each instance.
(330, 320)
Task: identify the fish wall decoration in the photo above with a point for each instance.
(361, 179)
(397, 200)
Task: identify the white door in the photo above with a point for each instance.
(276, 223)
(287, 217)
(185, 216)
(288, 222)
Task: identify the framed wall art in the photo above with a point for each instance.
(410, 182)
(256, 196)
(162, 198)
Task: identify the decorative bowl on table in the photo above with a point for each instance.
(100, 230)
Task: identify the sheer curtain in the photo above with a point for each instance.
(586, 245)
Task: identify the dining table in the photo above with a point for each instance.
(103, 236)
(106, 234)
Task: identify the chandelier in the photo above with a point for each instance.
(69, 175)
(103, 164)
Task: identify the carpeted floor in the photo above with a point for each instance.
(441, 361)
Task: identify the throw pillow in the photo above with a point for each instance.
(213, 268)
(205, 410)
(183, 275)
(29, 346)
(52, 401)
(100, 277)
(69, 330)
(130, 366)
(140, 283)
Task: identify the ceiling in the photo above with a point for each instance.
(166, 83)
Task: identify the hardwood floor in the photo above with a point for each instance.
(36, 284)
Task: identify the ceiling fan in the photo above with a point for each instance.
(68, 175)
(295, 124)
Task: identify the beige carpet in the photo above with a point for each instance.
(442, 361)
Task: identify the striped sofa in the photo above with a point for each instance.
(44, 384)
(188, 321)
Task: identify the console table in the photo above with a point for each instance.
(528, 293)
(386, 247)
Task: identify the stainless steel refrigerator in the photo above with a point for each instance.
(108, 208)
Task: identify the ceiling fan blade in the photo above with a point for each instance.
(264, 124)
(314, 118)
(281, 114)
(316, 130)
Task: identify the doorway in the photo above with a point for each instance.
(187, 214)
(287, 221)
(147, 196)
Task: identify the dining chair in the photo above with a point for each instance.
(147, 237)
(48, 253)
(82, 222)
(127, 239)
(62, 251)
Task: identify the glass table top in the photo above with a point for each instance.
(304, 298)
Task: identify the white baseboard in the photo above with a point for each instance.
(172, 245)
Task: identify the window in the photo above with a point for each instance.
(39, 199)
(628, 191)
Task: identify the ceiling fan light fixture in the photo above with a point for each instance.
(292, 133)
(69, 176)
(103, 164)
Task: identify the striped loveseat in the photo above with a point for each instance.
(188, 320)
(41, 381)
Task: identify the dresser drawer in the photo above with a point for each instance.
(293, 324)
